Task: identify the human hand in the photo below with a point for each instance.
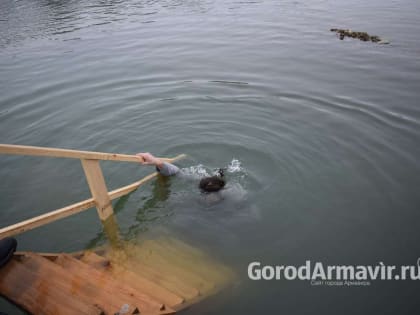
(148, 159)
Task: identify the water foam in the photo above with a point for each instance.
(196, 171)
(235, 166)
(199, 171)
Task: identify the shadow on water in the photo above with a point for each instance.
(175, 204)
(327, 131)
(145, 214)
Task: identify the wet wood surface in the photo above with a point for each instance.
(151, 277)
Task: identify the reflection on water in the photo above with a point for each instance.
(22, 20)
(146, 214)
(177, 200)
(326, 131)
(153, 208)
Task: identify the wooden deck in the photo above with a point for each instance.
(152, 277)
(158, 276)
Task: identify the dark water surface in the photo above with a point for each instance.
(321, 136)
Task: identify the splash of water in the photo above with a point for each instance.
(199, 171)
(196, 171)
(235, 166)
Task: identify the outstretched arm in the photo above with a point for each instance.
(164, 168)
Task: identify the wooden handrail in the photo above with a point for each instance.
(73, 154)
(49, 217)
(61, 213)
(101, 198)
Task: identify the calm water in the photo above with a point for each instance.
(320, 136)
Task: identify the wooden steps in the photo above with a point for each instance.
(195, 261)
(185, 270)
(153, 277)
(132, 279)
(31, 289)
(26, 288)
(115, 290)
(161, 278)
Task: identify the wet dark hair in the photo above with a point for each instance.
(213, 183)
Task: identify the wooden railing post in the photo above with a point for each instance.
(97, 186)
(100, 195)
(112, 231)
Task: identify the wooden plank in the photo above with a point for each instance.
(152, 257)
(24, 287)
(82, 288)
(134, 280)
(204, 267)
(97, 186)
(168, 281)
(105, 207)
(103, 279)
(129, 188)
(192, 253)
(75, 286)
(55, 215)
(75, 154)
(46, 218)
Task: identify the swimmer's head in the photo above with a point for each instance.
(213, 183)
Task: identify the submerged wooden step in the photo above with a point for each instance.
(175, 265)
(153, 256)
(152, 277)
(172, 282)
(194, 261)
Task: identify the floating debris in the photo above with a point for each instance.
(363, 36)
